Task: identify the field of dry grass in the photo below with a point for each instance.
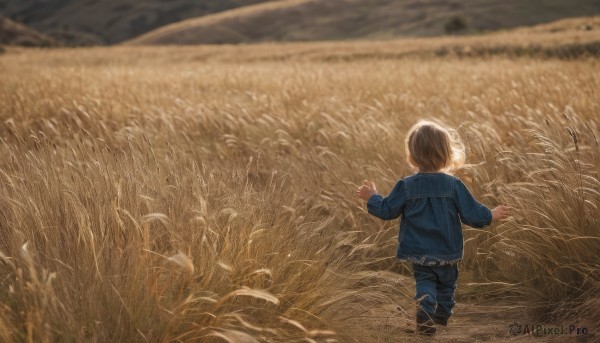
(182, 194)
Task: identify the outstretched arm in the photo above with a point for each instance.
(386, 208)
(472, 212)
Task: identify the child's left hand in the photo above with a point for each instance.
(366, 190)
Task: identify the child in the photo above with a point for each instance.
(432, 204)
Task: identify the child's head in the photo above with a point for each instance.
(430, 147)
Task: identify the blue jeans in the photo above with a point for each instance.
(435, 290)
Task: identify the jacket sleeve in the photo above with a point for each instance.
(390, 207)
(470, 211)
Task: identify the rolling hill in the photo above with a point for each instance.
(12, 33)
(95, 22)
(98, 22)
(311, 20)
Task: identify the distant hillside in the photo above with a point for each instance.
(12, 33)
(311, 20)
(97, 22)
(92, 22)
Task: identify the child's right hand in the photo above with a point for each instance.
(366, 190)
(500, 212)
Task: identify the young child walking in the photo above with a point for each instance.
(432, 204)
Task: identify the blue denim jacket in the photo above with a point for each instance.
(432, 206)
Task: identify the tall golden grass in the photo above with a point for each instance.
(150, 196)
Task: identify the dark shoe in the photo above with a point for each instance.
(425, 325)
(443, 321)
(427, 328)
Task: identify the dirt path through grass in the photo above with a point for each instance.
(471, 322)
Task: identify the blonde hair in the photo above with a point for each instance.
(431, 147)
